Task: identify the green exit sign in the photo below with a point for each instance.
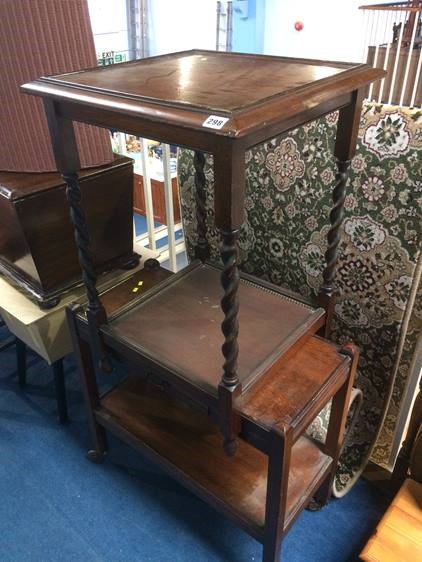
(110, 57)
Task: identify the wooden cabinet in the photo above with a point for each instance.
(211, 353)
(158, 199)
(37, 246)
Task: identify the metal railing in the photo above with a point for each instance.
(393, 41)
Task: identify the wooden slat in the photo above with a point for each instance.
(287, 392)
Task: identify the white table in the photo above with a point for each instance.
(46, 331)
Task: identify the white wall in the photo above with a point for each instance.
(109, 25)
(177, 25)
(333, 29)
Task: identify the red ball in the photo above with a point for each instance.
(299, 25)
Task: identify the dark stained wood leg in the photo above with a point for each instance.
(67, 159)
(344, 150)
(336, 426)
(229, 386)
(89, 387)
(202, 250)
(59, 384)
(328, 289)
(21, 361)
(95, 311)
(278, 472)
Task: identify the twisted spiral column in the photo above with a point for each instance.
(230, 307)
(95, 311)
(334, 233)
(229, 386)
(202, 250)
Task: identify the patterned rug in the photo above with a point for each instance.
(289, 181)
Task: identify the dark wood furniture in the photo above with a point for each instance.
(37, 247)
(276, 374)
(276, 470)
(158, 199)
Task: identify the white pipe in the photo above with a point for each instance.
(372, 32)
(217, 30)
(366, 16)
(122, 142)
(396, 61)
(168, 195)
(409, 58)
(144, 29)
(146, 180)
(229, 26)
(377, 48)
(417, 76)
(387, 53)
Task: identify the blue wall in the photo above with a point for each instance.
(248, 34)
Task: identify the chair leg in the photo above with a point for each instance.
(21, 361)
(58, 374)
(7, 343)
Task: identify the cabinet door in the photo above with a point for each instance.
(158, 200)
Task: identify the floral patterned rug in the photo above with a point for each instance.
(289, 182)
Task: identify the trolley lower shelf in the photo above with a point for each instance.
(182, 441)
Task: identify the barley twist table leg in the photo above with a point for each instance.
(95, 311)
(230, 329)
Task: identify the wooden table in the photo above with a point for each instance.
(272, 374)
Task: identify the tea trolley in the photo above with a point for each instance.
(262, 377)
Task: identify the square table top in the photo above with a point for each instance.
(217, 92)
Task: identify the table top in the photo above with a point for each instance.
(222, 93)
(178, 325)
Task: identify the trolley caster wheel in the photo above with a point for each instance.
(95, 456)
